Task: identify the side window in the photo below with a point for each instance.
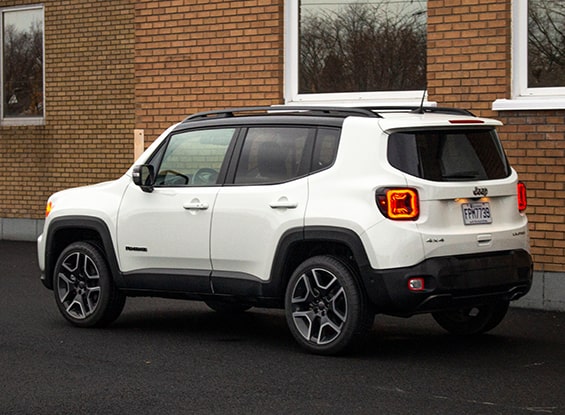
(194, 158)
(274, 154)
(325, 149)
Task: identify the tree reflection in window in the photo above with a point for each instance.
(22, 71)
(362, 46)
(546, 43)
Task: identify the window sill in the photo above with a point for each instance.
(17, 122)
(529, 103)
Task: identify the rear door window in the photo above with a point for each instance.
(274, 154)
(449, 155)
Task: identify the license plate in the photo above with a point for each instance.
(477, 213)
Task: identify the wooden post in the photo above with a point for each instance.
(138, 143)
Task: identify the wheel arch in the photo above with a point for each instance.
(64, 231)
(297, 245)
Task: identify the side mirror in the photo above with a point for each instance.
(144, 177)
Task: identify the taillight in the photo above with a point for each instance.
(48, 208)
(522, 197)
(398, 203)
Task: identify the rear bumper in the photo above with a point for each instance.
(451, 282)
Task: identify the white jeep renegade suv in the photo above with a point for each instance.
(334, 214)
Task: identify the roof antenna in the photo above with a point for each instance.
(420, 109)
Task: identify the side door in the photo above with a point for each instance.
(167, 231)
(267, 196)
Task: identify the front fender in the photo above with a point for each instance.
(66, 230)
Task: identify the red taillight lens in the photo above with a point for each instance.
(398, 203)
(522, 197)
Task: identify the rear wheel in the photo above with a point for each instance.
(325, 308)
(472, 320)
(84, 289)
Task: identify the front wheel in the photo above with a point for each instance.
(326, 310)
(84, 289)
(472, 320)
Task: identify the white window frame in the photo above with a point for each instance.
(291, 62)
(524, 98)
(17, 121)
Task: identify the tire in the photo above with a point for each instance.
(227, 307)
(472, 320)
(325, 309)
(84, 290)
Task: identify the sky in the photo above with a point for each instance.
(22, 19)
(312, 6)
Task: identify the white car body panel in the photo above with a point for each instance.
(247, 225)
(158, 230)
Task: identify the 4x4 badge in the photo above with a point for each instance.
(480, 191)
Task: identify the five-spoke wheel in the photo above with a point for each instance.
(84, 289)
(325, 309)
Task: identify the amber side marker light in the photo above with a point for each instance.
(48, 208)
(522, 197)
(398, 203)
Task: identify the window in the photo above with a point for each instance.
(348, 50)
(274, 155)
(538, 61)
(546, 43)
(448, 155)
(22, 71)
(325, 150)
(194, 158)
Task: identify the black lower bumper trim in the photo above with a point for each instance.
(451, 282)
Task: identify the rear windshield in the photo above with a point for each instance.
(448, 155)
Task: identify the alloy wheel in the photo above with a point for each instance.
(78, 285)
(319, 306)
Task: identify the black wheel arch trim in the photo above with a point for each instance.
(341, 235)
(314, 234)
(86, 225)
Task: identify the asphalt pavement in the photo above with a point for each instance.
(177, 357)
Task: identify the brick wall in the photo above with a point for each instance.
(89, 106)
(207, 54)
(469, 53)
(469, 65)
(535, 143)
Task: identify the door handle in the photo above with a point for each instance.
(196, 205)
(283, 203)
